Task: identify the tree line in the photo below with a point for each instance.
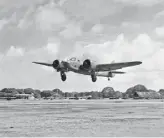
(107, 92)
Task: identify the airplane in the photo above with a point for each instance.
(88, 67)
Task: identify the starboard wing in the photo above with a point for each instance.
(115, 66)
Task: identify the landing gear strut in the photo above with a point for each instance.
(94, 78)
(63, 76)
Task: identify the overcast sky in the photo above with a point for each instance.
(44, 30)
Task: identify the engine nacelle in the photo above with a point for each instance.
(88, 64)
(56, 64)
(110, 74)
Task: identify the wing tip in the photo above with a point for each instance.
(41, 63)
(35, 62)
(138, 62)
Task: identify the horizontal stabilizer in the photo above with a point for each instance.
(118, 72)
(41, 63)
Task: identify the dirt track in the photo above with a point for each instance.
(82, 118)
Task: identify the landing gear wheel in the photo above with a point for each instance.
(94, 78)
(63, 76)
(108, 79)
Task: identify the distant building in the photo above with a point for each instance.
(89, 97)
(49, 98)
(147, 95)
(73, 98)
(24, 96)
(113, 97)
(57, 96)
(82, 98)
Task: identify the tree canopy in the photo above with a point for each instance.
(107, 92)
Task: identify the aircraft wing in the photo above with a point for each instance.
(41, 63)
(115, 66)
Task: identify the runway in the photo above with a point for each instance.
(81, 118)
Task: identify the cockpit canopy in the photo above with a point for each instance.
(73, 59)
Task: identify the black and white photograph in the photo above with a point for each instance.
(81, 68)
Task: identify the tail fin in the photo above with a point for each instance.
(113, 61)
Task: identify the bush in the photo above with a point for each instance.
(28, 91)
(140, 88)
(9, 90)
(108, 92)
(46, 93)
(96, 95)
(20, 91)
(2, 94)
(161, 91)
(125, 96)
(118, 95)
(37, 94)
(68, 94)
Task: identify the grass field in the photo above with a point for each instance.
(82, 118)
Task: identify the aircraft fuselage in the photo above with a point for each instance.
(74, 65)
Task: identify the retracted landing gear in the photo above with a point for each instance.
(63, 76)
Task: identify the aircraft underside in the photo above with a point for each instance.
(93, 75)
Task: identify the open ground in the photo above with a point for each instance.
(134, 118)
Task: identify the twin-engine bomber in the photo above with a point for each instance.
(88, 67)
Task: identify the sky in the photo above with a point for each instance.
(105, 30)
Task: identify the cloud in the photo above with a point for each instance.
(89, 10)
(98, 28)
(130, 24)
(158, 19)
(48, 16)
(71, 31)
(18, 3)
(159, 14)
(3, 22)
(14, 52)
(45, 53)
(53, 46)
(28, 18)
(62, 2)
(49, 69)
(156, 59)
(121, 49)
(31, 26)
(160, 31)
(34, 22)
(140, 2)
